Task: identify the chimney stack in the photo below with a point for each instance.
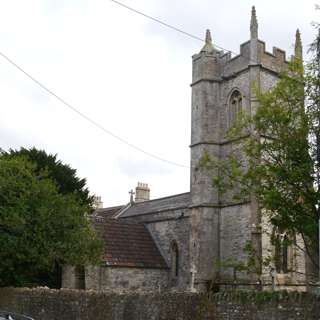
(142, 192)
(97, 202)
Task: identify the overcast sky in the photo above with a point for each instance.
(125, 72)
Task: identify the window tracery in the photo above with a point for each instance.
(281, 253)
(235, 106)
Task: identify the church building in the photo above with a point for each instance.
(182, 242)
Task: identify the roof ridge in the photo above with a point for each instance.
(113, 220)
(108, 208)
(138, 203)
(175, 195)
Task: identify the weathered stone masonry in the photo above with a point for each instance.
(221, 227)
(44, 304)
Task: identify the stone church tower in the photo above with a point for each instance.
(221, 87)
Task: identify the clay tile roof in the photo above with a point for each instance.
(129, 244)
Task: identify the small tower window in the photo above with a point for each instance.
(235, 106)
(174, 260)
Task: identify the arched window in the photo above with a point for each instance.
(281, 253)
(235, 106)
(174, 259)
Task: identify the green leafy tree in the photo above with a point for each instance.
(279, 165)
(39, 226)
(62, 174)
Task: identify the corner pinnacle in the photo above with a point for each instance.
(208, 36)
(254, 23)
(298, 45)
(208, 47)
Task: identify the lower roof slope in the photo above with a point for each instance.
(129, 244)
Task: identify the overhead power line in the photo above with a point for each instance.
(93, 122)
(168, 25)
(176, 28)
(158, 21)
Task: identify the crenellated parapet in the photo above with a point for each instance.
(275, 61)
(211, 64)
(219, 65)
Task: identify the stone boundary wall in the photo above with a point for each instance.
(46, 304)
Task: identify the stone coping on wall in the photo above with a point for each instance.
(49, 304)
(237, 296)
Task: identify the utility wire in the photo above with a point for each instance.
(158, 21)
(81, 114)
(170, 26)
(177, 29)
(93, 122)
